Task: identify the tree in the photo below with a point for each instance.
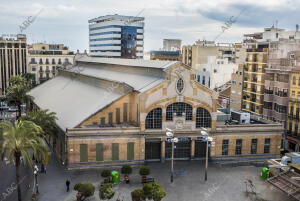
(144, 171)
(30, 79)
(45, 119)
(22, 138)
(154, 191)
(126, 170)
(17, 92)
(106, 192)
(106, 173)
(138, 195)
(85, 190)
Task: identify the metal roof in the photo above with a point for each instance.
(129, 62)
(116, 17)
(138, 80)
(72, 99)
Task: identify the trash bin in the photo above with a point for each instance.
(264, 173)
(115, 177)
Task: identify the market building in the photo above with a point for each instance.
(116, 111)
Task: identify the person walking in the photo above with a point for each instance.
(68, 185)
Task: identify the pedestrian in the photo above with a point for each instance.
(68, 185)
(45, 169)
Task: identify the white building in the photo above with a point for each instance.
(116, 36)
(216, 72)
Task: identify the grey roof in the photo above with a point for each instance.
(129, 62)
(116, 17)
(72, 100)
(138, 81)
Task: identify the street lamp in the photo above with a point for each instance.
(208, 139)
(170, 134)
(35, 172)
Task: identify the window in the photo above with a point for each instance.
(154, 119)
(130, 151)
(294, 80)
(110, 118)
(267, 146)
(225, 147)
(215, 70)
(83, 153)
(115, 151)
(253, 146)
(53, 61)
(179, 108)
(99, 152)
(238, 147)
(118, 115)
(125, 112)
(203, 80)
(102, 121)
(41, 61)
(180, 85)
(203, 118)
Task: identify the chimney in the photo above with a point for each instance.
(297, 27)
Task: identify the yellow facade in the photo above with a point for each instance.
(294, 102)
(254, 81)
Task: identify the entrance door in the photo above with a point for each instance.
(200, 149)
(153, 150)
(182, 149)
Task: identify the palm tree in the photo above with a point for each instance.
(17, 92)
(45, 119)
(22, 138)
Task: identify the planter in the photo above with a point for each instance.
(144, 179)
(33, 197)
(126, 179)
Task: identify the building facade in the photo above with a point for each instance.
(293, 133)
(116, 36)
(44, 60)
(237, 88)
(13, 58)
(165, 55)
(124, 106)
(172, 45)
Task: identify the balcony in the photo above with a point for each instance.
(295, 100)
(41, 71)
(32, 62)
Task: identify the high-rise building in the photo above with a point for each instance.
(44, 59)
(236, 88)
(172, 45)
(13, 52)
(117, 36)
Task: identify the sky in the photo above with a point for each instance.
(62, 21)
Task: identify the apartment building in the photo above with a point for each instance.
(293, 133)
(236, 88)
(265, 51)
(13, 58)
(117, 36)
(172, 45)
(44, 60)
(165, 55)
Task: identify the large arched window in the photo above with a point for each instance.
(154, 119)
(203, 118)
(179, 108)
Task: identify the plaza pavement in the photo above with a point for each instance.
(224, 183)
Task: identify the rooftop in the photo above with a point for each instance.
(116, 17)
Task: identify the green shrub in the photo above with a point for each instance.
(85, 189)
(154, 191)
(144, 171)
(126, 169)
(138, 195)
(77, 186)
(105, 173)
(106, 192)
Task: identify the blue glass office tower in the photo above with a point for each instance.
(117, 36)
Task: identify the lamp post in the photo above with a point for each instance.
(35, 172)
(208, 139)
(170, 133)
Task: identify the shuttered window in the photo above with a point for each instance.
(118, 115)
(83, 153)
(125, 112)
(99, 152)
(115, 151)
(110, 118)
(130, 151)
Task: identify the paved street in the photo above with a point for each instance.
(8, 182)
(226, 184)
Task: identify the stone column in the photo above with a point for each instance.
(163, 150)
(192, 148)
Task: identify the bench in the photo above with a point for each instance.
(148, 180)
